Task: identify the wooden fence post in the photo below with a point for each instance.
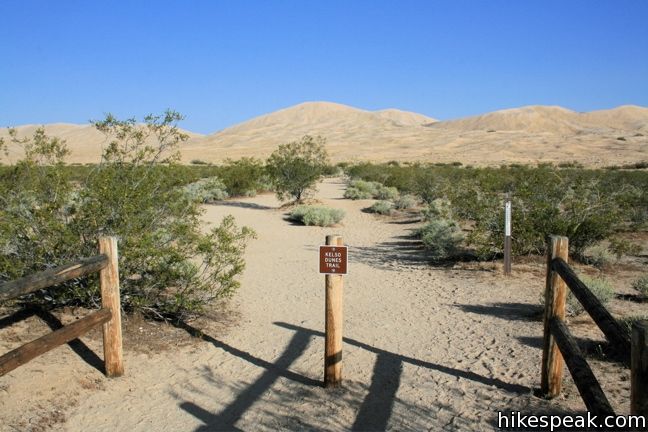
(639, 370)
(333, 324)
(555, 295)
(112, 336)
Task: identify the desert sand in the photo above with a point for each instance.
(520, 135)
(427, 347)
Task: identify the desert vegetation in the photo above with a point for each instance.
(641, 285)
(599, 286)
(586, 205)
(316, 215)
(381, 207)
(294, 168)
(139, 194)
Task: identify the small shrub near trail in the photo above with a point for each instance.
(641, 285)
(405, 202)
(441, 238)
(381, 207)
(359, 189)
(316, 215)
(599, 256)
(599, 286)
(386, 193)
(207, 190)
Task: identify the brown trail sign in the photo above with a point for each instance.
(333, 260)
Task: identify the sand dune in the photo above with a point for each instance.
(524, 135)
(84, 140)
(533, 119)
(407, 118)
(552, 119)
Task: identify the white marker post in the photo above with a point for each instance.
(507, 236)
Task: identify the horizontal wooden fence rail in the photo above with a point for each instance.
(106, 263)
(33, 349)
(560, 346)
(51, 277)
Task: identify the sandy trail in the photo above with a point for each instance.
(426, 347)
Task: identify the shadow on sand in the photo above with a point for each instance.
(52, 321)
(245, 205)
(377, 399)
(506, 311)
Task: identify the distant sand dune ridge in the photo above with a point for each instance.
(522, 135)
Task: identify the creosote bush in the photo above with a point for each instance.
(206, 190)
(641, 285)
(599, 286)
(294, 168)
(386, 193)
(168, 266)
(441, 238)
(316, 215)
(381, 207)
(599, 256)
(405, 202)
(586, 205)
(621, 247)
(359, 189)
(244, 177)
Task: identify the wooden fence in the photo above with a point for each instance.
(109, 315)
(559, 344)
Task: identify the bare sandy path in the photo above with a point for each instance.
(427, 348)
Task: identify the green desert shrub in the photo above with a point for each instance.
(386, 193)
(332, 171)
(405, 202)
(168, 265)
(599, 256)
(206, 190)
(316, 215)
(542, 205)
(586, 205)
(294, 168)
(438, 209)
(599, 286)
(356, 194)
(244, 177)
(381, 207)
(641, 285)
(441, 238)
(360, 189)
(621, 247)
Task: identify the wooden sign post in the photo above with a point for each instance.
(333, 263)
(507, 236)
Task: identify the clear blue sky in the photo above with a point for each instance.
(220, 63)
